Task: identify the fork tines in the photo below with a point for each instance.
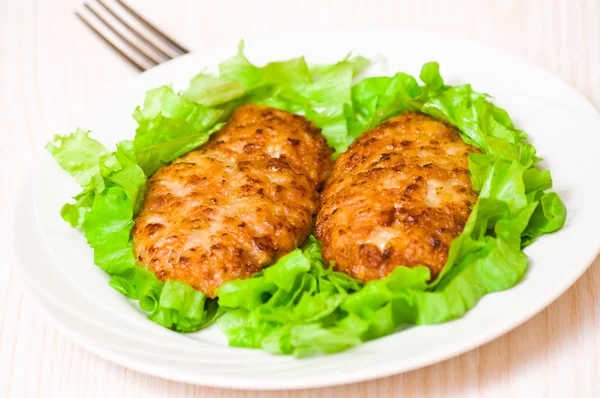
(130, 35)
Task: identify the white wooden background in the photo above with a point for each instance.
(51, 66)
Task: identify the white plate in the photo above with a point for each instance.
(57, 270)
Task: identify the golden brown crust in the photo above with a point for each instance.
(397, 197)
(255, 131)
(235, 205)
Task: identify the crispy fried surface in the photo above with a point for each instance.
(397, 197)
(235, 205)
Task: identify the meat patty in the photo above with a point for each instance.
(236, 204)
(397, 197)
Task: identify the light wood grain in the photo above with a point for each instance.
(51, 66)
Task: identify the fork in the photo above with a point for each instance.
(129, 34)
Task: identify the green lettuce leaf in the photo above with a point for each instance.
(96, 169)
(79, 155)
(208, 90)
(377, 99)
(320, 92)
(169, 126)
(74, 213)
(289, 307)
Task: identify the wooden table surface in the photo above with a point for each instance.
(51, 66)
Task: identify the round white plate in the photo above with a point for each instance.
(57, 270)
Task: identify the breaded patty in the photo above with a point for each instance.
(397, 197)
(236, 204)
